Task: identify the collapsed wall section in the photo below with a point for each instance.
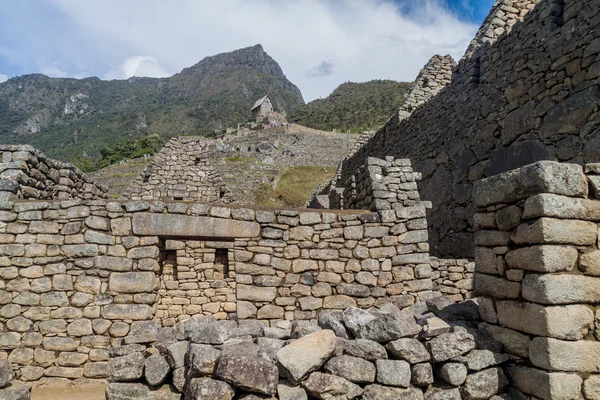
(26, 173)
(538, 268)
(531, 95)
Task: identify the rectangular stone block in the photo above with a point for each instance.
(561, 288)
(177, 225)
(132, 282)
(114, 263)
(256, 293)
(546, 385)
(127, 311)
(555, 206)
(513, 342)
(556, 231)
(545, 258)
(414, 258)
(559, 355)
(571, 322)
(521, 183)
(589, 263)
(494, 286)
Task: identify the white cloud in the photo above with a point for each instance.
(52, 70)
(138, 66)
(3, 78)
(360, 40)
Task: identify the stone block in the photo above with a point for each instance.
(522, 183)
(512, 342)
(561, 288)
(127, 311)
(546, 321)
(554, 206)
(556, 231)
(589, 263)
(307, 354)
(559, 355)
(545, 385)
(114, 263)
(495, 286)
(177, 225)
(543, 258)
(256, 293)
(132, 282)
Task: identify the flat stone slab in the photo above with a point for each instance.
(177, 225)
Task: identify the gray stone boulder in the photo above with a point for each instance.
(437, 393)
(126, 368)
(212, 333)
(393, 373)
(363, 348)
(450, 345)
(306, 355)
(453, 373)
(249, 373)
(422, 375)
(334, 321)
(387, 327)
(408, 349)
(176, 354)
(378, 392)
(202, 358)
(268, 348)
(325, 386)
(302, 328)
(156, 369)
(138, 391)
(208, 389)
(289, 392)
(16, 391)
(6, 373)
(484, 384)
(351, 368)
(355, 318)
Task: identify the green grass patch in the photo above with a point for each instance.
(239, 160)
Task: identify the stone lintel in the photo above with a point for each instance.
(177, 225)
(530, 180)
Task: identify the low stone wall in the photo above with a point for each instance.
(76, 275)
(354, 354)
(537, 266)
(26, 173)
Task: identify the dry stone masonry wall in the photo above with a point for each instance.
(538, 266)
(531, 95)
(26, 173)
(180, 171)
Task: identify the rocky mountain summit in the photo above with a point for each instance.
(72, 117)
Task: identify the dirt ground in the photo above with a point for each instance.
(68, 392)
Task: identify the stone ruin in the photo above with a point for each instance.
(170, 299)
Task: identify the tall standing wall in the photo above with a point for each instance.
(531, 95)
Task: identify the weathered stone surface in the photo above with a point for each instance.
(249, 373)
(208, 389)
(589, 263)
(554, 206)
(355, 318)
(127, 311)
(203, 358)
(561, 288)
(558, 355)
(138, 391)
(288, 392)
(6, 373)
(450, 345)
(481, 359)
(131, 282)
(387, 327)
(393, 373)
(422, 375)
(408, 349)
(126, 368)
(351, 368)
(379, 392)
(591, 387)
(545, 258)
(512, 342)
(176, 354)
(306, 354)
(521, 183)
(255, 293)
(546, 385)
(364, 348)
(494, 286)
(546, 321)
(9, 340)
(453, 373)
(484, 384)
(325, 386)
(556, 231)
(16, 391)
(150, 224)
(435, 393)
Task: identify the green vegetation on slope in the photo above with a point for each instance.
(294, 187)
(353, 107)
(74, 119)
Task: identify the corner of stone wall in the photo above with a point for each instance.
(537, 272)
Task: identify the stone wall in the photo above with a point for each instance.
(76, 275)
(26, 173)
(531, 95)
(180, 171)
(538, 264)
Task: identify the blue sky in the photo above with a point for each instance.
(318, 43)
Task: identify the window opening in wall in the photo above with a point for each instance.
(177, 198)
(197, 160)
(221, 193)
(222, 261)
(146, 178)
(169, 264)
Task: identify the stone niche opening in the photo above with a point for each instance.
(195, 279)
